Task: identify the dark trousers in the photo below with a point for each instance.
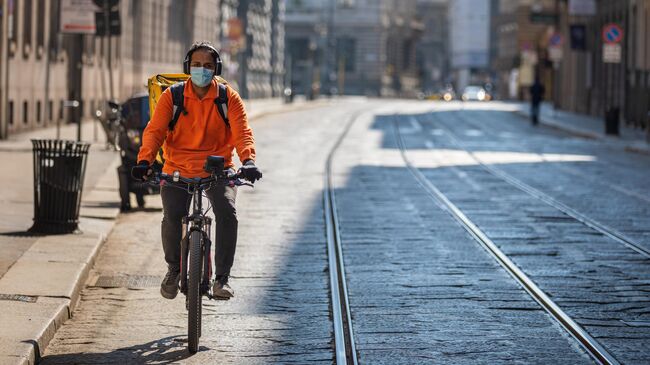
(176, 204)
(534, 112)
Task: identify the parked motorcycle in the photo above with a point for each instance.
(124, 125)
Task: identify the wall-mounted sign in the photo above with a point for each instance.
(612, 53)
(612, 33)
(578, 34)
(582, 7)
(555, 54)
(556, 40)
(78, 16)
(543, 18)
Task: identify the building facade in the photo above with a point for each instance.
(433, 46)
(42, 71)
(589, 84)
(363, 47)
(521, 31)
(253, 39)
(469, 22)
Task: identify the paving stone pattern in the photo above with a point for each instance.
(281, 312)
(602, 284)
(613, 187)
(421, 290)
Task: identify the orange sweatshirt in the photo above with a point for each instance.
(198, 134)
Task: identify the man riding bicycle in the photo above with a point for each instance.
(200, 131)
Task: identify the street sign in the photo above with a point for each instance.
(582, 7)
(235, 29)
(612, 33)
(578, 37)
(612, 53)
(556, 40)
(78, 16)
(555, 54)
(543, 18)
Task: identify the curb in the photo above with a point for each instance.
(633, 147)
(34, 324)
(59, 308)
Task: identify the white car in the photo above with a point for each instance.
(475, 93)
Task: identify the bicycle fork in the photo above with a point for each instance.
(206, 249)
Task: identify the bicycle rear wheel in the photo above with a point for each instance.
(194, 292)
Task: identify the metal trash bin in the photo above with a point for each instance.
(612, 121)
(59, 169)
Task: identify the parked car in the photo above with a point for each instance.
(447, 94)
(475, 93)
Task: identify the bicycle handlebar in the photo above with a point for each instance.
(159, 178)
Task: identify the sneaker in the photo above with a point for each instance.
(221, 289)
(169, 285)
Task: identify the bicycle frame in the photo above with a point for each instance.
(197, 221)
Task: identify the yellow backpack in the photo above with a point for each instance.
(157, 85)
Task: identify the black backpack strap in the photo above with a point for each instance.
(179, 100)
(222, 104)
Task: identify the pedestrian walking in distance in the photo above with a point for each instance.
(201, 130)
(537, 91)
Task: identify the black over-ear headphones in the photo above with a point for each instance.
(215, 54)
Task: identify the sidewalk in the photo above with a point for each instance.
(41, 277)
(630, 139)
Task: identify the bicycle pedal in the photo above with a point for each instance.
(211, 297)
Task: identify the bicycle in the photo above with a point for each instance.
(196, 263)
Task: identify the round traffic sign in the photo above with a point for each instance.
(612, 33)
(556, 40)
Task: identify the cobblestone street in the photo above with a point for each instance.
(570, 213)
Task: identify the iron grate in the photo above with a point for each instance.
(18, 298)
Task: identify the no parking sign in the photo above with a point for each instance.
(612, 37)
(612, 33)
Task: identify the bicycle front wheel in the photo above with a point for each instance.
(194, 292)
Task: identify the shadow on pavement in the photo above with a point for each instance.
(22, 234)
(164, 351)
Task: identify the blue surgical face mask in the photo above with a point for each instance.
(201, 76)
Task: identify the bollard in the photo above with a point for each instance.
(59, 170)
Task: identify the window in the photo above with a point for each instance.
(27, 28)
(50, 112)
(345, 53)
(11, 112)
(89, 48)
(40, 28)
(13, 27)
(61, 109)
(53, 43)
(25, 112)
(38, 111)
(101, 50)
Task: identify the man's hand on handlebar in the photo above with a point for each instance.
(142, 171)
(250, 172)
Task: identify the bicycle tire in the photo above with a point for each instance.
(194, 292)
